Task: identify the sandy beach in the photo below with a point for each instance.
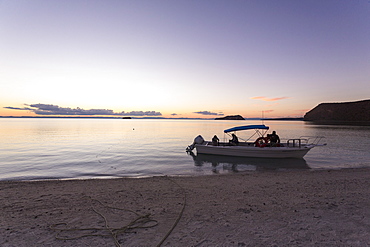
(270, 208)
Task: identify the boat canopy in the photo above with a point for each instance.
(247, 127)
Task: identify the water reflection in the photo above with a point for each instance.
(238, 164)
(338, 123)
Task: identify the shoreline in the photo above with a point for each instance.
(288, 208)
(155, 175)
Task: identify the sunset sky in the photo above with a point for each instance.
(182, 58)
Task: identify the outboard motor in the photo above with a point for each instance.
(197, 140)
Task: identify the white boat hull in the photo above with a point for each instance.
(252, 151)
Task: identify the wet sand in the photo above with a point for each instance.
(284, 208)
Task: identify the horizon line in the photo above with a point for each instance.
(185, 118)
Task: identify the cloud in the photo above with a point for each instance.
(139, 113)
(49, 109)
(208, 113)
(268, 99)
(268, 111)
(258, 97)
(17, 108)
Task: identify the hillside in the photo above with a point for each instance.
(358, 111)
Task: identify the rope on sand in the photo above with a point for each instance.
(141, 221)
(180, 214)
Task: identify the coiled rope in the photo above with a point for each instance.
(140, 221)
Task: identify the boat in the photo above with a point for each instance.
(262, 147)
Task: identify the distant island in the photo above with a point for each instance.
(357, 112)
(234, 117)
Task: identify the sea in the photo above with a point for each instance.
(82, 148)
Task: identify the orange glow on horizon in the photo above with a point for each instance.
(16, 113)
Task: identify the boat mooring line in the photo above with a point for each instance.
(141, 221)
(180, 214)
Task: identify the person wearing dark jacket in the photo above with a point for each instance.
(215, 141)
(234, 140)
(274, 138)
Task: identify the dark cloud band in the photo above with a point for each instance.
(208, 113)
(49, 109)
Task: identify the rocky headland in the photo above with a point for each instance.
(345, 112)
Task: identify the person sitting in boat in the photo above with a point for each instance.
(215, 141)
(274, 139)
(234, 140)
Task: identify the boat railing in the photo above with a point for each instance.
(304, 141)
(314, 140)
(294, 143)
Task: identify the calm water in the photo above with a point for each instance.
(104, 148)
